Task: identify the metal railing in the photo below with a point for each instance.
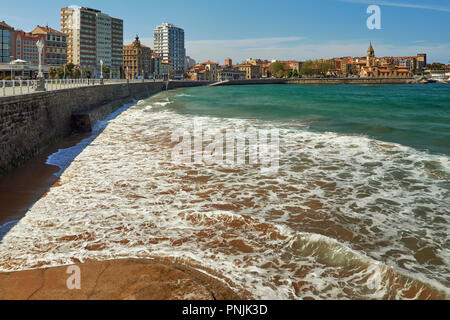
(20, 87)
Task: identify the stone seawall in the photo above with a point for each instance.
(30, 122)
(320, 81)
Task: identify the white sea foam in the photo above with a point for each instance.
(347, 216)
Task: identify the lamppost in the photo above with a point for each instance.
(101, 71)
(128, 79)
(40, 78)
(11, 63)
(142, 75)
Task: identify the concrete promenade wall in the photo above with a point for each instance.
(30, 122)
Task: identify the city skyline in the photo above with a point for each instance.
(332, 28)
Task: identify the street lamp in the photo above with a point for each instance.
(11, 63)
(40, 78)
(101, 71)
(40, 46)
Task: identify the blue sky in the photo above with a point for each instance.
(268, 29)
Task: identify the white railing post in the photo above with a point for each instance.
(21, 88)
(13, 87)
(4, 87)
(28, 86)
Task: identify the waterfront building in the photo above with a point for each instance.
(211, 69)
(189, 63)
(252, 71)
(421, 61)
(56, 45)
(165, 68)
(157, 65)
(6, 42)
(137, 60)
(25, 47)
(169, 44)
(228, 73)
(228, 62)
(92, 36)
(374, 67)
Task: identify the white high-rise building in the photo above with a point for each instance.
(169, 44)
(104, 43)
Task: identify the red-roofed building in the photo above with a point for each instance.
(56, 45)
(25, 47)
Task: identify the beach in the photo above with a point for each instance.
(347, 216)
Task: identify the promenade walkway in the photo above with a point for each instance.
(21, 87)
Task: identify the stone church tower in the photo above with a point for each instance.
(371, 56)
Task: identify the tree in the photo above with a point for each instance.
(276, 68)
(106, 70)
(317, 67)
(52, 73)
(295, 73)
(87, 72)
(280, 74)
(60, 72)
(76, 73)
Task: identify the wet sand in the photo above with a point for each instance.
(23, 186)
(138, 280)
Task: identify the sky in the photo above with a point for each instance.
(267, 29)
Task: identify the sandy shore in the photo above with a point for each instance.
(138, 280)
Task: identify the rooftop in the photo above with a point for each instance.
(5, 25)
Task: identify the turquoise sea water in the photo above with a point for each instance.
(412, 115)
(358, 208)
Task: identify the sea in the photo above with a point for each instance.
(358, 207)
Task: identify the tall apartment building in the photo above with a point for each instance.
(169, 44)
(6, 42)
(56, 45)
(421, 61)
(92, 36)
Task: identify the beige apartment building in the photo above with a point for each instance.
(92, 36)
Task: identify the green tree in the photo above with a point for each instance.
(52, 73)
(106, 71)
(280, 74)
(60, 72)
(276, 67)
(76, 73)
(87, 72)
(295, 73)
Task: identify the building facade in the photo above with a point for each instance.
(6, 42)
(25, 47)
(374, 68)
(92, 36)
(169, 44)
(228, 73)
(252, 71)
(56, 45)
(421, 61)
(228, 62)
(137, 60)
(189, 63)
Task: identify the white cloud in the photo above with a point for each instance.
(402, 5)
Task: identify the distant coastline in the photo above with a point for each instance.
(322, 81)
